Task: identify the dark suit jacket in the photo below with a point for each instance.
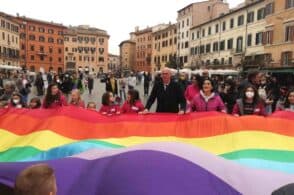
(108, 86)
(168, 100)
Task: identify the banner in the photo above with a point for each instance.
(198, 153)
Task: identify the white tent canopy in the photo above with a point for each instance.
(9, 67)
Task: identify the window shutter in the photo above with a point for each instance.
(271, 36)
(292, 33)
(264, 38)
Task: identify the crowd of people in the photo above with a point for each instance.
(258, 94)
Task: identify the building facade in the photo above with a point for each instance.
(164, 47)
(280, 28)
(86, 48)
(9, 40)
(143, 49)
(127, 51)
(233, 39)
(194, 15)
(41, 44)
(113, 63)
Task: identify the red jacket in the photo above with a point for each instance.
(80, 104)
(128, 108)
(111, 109)
(238, 108)
(57, 104)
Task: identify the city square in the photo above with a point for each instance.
(147, 97)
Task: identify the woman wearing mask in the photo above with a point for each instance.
(249, 103)
(133, 103)
(264, 94)
(76, 99)
(207, 100)
(54, 97)
(16, 101)
(288, 105)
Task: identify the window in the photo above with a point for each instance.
(196, 50)
(216, 28)
(289, 33)
(224, 26)
(232, 23)
(258, 38)
(215, 46)
(239, 44)
(186, 44)
(59, 60)
(60, 32)
(41, 29)
(260, 14)
(22, 35)
(193, 36)
(101, 41)
(269, 9)
(289, 4)
(41, 49)
(50, 31)
(50, 50)
(240, 20)
(201, 49)
(222, 46)
(66, 49)
(41, 38)
(183, 24)
(32, 48)
(50, 40)
(32, 28)
(209, 30)
(287, 58)
(188, 22)
(74, 39)
(198, 34)
(192, 51)
(230, 44)
(22, 47)
(223, 61)
(203, 32)
(59, 41)
(101, 50)
(101, 59)
(59, 50)
(183, 35)
(32, 57)
(230, 60)
(250, 17)
(185, 59)
(32, 37)
(249, 40)
(208, 48)
(187, 34)
(3, 35)
(42, 58)
(268, 37)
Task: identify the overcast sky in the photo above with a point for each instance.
(117, 17)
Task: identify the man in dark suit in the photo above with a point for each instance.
(169, 95)
(111, 84)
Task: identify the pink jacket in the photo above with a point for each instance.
(128, 108)
(57, 104)
(191, 92)
(111, 109)
(213, 103)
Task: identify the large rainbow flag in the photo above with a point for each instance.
(156, 154)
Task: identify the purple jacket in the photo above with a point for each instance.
(213, 103)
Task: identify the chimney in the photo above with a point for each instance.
(136, 28)
(17, 14)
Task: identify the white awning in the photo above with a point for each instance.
(9, 67)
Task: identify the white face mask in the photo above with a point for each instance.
(249, 94)
(15, 101)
